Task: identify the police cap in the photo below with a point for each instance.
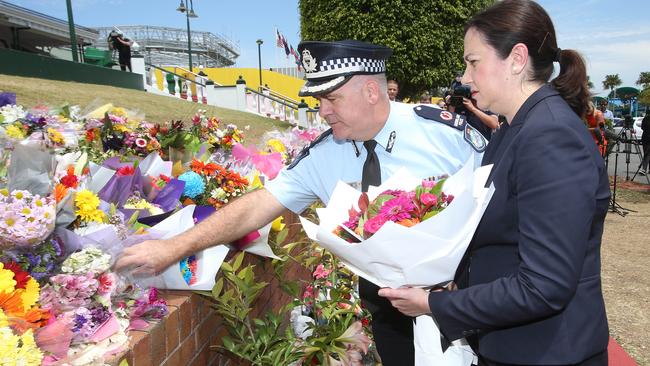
(329, 65)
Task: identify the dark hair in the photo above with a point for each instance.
(509, 22)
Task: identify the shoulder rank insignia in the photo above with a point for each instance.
(305, 150)
(450, 119)
(475, 138)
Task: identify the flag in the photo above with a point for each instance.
(278, 39)
(286, 46)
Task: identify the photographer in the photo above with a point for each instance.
(460, 101)
(116, 41)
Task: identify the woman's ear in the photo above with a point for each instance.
(519, 58)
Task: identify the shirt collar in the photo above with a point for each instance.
(383, 136)
(540, 94)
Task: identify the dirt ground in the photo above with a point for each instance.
(626, 274)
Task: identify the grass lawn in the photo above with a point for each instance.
(31, 92)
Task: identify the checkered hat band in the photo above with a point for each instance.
(349, 64)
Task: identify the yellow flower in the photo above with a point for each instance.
(121, 128)
(29, 353)
(7, 282)
(87, 206)
(30, 296)
(15, 132)
(4, 192)
(19, 350)
(54, 136)
(117, 111)
(276, 145)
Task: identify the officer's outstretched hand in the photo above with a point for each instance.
(148, 258)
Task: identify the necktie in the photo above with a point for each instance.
(371, 174)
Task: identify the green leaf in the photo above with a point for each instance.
(282, 236)
(216, 289)
(238, 261)
(226, 267)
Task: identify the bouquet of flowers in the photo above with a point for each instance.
(435, 245)
(26, 219)
(212, 184)
(405, 208)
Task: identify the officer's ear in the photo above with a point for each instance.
(371, 90)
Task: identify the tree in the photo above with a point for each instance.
(644, 97)
(611, 82)
(426, 35)
(644, 79)
(590, 84)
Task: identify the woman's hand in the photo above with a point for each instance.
(410, 301)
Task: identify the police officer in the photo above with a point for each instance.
(348, 78)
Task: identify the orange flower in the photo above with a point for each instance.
(202, 168)
(59, 192)
(409, 222)
(12, 302)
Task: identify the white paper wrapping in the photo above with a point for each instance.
(423, 255)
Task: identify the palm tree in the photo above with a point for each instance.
(590, 84)
(644, 79)
(611, 82)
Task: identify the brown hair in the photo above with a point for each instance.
(509, 22)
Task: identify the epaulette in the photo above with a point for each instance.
(450, 119)
(476, 140)
(305, 150)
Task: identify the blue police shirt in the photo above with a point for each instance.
(425, 147)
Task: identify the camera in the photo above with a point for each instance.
(628, 122)
(457, 95)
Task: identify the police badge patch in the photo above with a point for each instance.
(475, 138)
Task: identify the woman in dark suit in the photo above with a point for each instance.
(530, 286)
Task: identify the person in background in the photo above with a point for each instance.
(596, 125)
(484, 121)
(645, 141)
(370, 139)
(529, 288)
(607, 114)
(123, 46)
(393, 90)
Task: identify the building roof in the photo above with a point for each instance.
(36, 29)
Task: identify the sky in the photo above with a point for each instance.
(612, 35)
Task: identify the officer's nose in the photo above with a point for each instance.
(325, 108)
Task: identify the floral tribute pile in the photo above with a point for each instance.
(76, 188)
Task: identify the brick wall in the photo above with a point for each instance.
(184, 336)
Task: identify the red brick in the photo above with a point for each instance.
(206, 329)
(187, 350)
(174, 359)
(174, 298)
(185, 317)
(172, 331)
(158, 344)
(141, 349)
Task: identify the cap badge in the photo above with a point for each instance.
(308, 62)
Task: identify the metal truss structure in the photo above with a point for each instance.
(168, 46)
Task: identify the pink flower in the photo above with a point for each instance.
(140, 142)
(125, 171)
(428, 183)
(321, 272)
(429, 199)
(107, 283)
(371, 226)
(397, 209)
